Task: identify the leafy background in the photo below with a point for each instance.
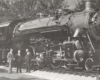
(17, 9)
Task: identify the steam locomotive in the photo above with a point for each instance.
(69, 38)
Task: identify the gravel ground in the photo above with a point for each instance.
(40, 75)
(16, 76)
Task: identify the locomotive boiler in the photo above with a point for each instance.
(69, 38)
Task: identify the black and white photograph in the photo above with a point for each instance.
(49, 39)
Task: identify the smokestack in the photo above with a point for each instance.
(89, 5)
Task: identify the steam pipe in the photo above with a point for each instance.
(77, 31)
(91, 43)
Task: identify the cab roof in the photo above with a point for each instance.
(5, 24)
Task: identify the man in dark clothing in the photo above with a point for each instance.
(28, 60)
(18, 61)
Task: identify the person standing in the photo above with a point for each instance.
(10, 59)
(28, 60)
(18, 61)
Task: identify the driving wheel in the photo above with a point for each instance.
(41, 60)
(55, 63)
(89, 64)
(66, 66)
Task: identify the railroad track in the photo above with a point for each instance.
(62, 74)
(76, 71)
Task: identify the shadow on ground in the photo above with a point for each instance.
(21, 76)
(3, 71)
(3, 78)
(16, 76)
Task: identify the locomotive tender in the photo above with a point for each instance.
(69, 38)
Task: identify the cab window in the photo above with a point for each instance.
(1, 31)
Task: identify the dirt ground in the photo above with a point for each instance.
(39, 75)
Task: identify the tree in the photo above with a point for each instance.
(76, 5)
(16, 9)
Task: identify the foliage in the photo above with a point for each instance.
(17, 9)
(76, 5)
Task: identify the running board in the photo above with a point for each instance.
(72, 64)
(63, 59)
(96, 65)
(33, 60)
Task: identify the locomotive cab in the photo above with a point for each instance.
(3, 41)
(3, 31)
